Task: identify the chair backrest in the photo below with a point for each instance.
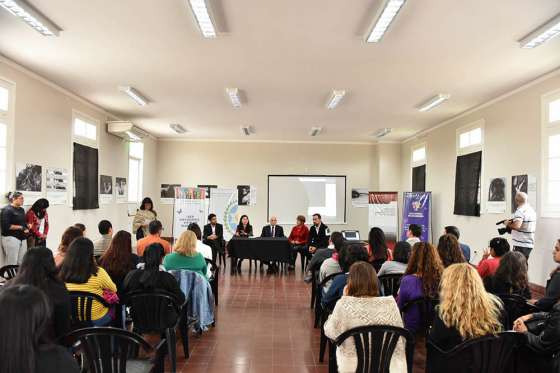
(106, 349)
(391, 284)
(426, 307)
(152, 311)
(489, 354)
(81, 307)
(9, 272)
(515, 307)
(322, 284)
(375, 346)
(213, 266)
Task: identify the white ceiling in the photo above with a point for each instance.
(286, 56)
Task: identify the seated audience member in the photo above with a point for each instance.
(510, 277)
(378, 252)
(320, 256)
(449, 251)
(552, 294)
(272, 230)
(331, 265)
(543, 341)
(69, 235)
(102, 244)
(143, 217)
(38, 269)
(244, 229)
(25, 317)
(413, 234)
(152, 277)
(491, 258)
(155, 228)
(80, 272)
(81, 227)
(421, 279)
(201, 247)
(318, 235)
(298, 238)
(349, 255)
(213, 236)
(118, 260)
(397, 266)
(451, 229)
(466, 310)
(185, 255)
(361, 305)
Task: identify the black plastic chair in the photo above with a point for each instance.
(215, 269)
(322, 314)
(489, 354)
(314, 277)
(9, 272)
(81, 303)
(375, 346)
(112, 350)
(158, 312)
(515, 307)
(390, 284)
(319, 297)
(426, 307)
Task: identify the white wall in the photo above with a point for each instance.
(42, 135)
(512, 146)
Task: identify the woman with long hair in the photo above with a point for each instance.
(38, 220)
(361, 305)
(378, 251)
(38, 269)
(244, 229)
(185, 255)
(80, 272)
(421, 279)
(510, 277)
(118, 260)
(449, 250)
(466, 310)
(144, 215)
(552, 294)
(25, 317)
(69, 235)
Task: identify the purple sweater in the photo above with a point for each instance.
(410, 289)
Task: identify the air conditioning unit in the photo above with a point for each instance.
(126, 130)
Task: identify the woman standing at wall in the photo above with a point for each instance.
(37, 218)
(144, 215)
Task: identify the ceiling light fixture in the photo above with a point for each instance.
(248, 130)
(178, 128)
(541, 35)
(433, 102)
(203, 18)
(335, 98)
(31, 16)
(135, 95)
(315, 131)
(385, 16)
(382, 132)
(233, 94)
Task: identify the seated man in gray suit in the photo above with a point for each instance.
(272, 230)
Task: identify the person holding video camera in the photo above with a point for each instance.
(522, 226)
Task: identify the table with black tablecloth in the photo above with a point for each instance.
(266, 249)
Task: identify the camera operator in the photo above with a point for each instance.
(522, 225)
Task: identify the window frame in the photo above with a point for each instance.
(82, 139)
(8, 118)
(423, 162)
(548, 129)
(480, 123)
(139, 186)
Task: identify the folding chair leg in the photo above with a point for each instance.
(333, 366)
(322, 346)
(172, 348)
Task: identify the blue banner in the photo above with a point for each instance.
(417, 208)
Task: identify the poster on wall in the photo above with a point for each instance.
(167, 193)
(223, 203)
(417, 208)
(524, 183)
(57, 185)
(187, 211)
(243, 195)
(190, 193)
(496, 198)
(29, 181)
(360, 197)
(121, 189)
(105, 189)
(384, 214)
(208, 188)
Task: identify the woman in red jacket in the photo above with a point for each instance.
(38, 219)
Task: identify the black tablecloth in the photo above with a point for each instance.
(265, 249)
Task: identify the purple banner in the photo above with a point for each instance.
(417, 208)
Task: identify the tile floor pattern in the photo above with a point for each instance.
(264, 324)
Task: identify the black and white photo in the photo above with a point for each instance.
(496, 198)
(167, 193)
(29, 177)
(105, 189)
(519, 183)
(360, 197)
(243, 195)
(120, 189)
(56, 185)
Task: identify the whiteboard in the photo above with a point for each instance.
(293, 195)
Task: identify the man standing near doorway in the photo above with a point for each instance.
(523, 225)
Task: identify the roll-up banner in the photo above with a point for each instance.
(417, 209)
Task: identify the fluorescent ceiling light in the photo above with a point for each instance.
(178, 128)
(433, 102)
(382, 132)
(541, 35)
(202, 17)
(135, 95)
(31, 16)
(386, 14)
(315, 131)
(233, 94)
(335, 98)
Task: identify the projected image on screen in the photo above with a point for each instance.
(292, 195)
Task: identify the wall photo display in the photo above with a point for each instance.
(121, 189)
(246, 195)
(496, 198)
(523, 183)
(29, 181)
(105, 189)
(167, 193)
(57, 185)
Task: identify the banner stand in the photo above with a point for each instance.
(417, 209)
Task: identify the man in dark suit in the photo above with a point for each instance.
(213, 236)
(318, 235)
(272, 230)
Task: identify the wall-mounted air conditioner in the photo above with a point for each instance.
(126, 130)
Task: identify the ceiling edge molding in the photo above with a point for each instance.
(172, 139)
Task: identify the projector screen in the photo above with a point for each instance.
(293, 195)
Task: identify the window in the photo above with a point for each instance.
(5, 117)
(470, 138)
(84, 129)
(418, 163)
(469, 169)
(551, 155)
(135, 166)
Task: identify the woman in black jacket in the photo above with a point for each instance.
(510, 277)
(244, 229)
(552, 294)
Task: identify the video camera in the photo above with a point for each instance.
(505, 230)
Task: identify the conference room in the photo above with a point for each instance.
(261, 186)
